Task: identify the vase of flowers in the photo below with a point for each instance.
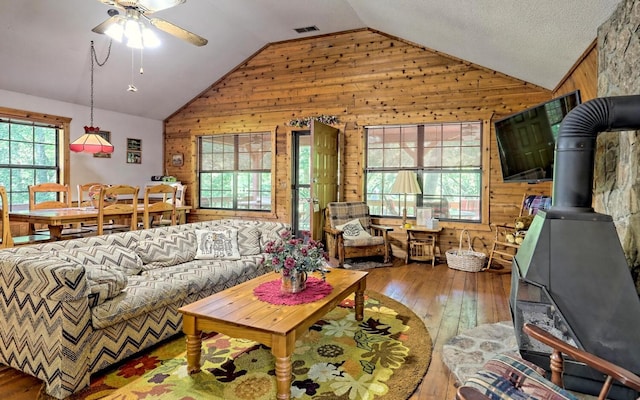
(295, 258)
(294, 282)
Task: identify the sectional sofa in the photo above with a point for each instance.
(72, 308)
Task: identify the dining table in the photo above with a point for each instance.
(57, 218)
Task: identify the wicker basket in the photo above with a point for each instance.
(465, 260)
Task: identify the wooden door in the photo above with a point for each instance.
(324, 173)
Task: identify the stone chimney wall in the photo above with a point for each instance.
(617, 169)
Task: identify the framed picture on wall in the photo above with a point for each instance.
(177, 160)
(134, 157)
(134, 144)
(106, 135)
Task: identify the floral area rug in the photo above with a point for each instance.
(385, 356)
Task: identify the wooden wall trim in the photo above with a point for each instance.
(34, 116)
(63, 123)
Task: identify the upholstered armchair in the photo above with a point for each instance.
(350, 233)
(509, 377)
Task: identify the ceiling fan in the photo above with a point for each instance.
(138, 11)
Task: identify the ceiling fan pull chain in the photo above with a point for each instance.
(132, 87)
(141, 69)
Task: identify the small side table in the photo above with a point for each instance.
(421, 244)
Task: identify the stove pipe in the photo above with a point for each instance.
(571, 264)
(576, 144)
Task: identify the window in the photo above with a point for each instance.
(28, 155)
(447, 160)
(235, 171)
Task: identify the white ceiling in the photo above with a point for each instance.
(44, 44)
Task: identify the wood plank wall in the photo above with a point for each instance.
(364, 77)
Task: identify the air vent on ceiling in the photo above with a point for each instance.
(307, 29)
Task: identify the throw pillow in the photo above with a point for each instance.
(217, 244)
(168, 250)
(112, 256)
(104, 283)
(271, 232)
(248, 241)
(353, 230)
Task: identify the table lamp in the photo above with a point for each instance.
(406, 183)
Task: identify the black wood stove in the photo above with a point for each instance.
(570, 275)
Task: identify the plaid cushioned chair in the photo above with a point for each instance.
(509, 377)
(344, 241)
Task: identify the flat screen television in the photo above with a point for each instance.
(527, 140)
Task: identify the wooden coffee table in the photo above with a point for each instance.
(236, 312)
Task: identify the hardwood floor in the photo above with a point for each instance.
(449, 301)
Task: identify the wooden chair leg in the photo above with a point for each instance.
(493, 248)
(387, 256)
(341, 258)
(340, 248)
(557, 367)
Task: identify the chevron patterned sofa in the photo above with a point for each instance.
(71, 308)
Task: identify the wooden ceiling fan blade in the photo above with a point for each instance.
(178, 32)
(101, 28)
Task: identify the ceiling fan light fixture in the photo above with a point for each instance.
(149, 38)
(135, 43)
(133, 33)
(115, 31)
(138, 35)
(133, 19)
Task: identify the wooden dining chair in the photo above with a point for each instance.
(118, 209)
(7, 240)
(180, 196)
(165, 206)
(85, 200)
(52, 195)
(83, 193)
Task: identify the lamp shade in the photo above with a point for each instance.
(91, 142)
(406, 183)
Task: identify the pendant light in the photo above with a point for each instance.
(91, 141)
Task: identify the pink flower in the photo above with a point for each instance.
(289, 263)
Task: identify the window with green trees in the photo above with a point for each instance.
(28, 156)
(235, 171)
(447, 160)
